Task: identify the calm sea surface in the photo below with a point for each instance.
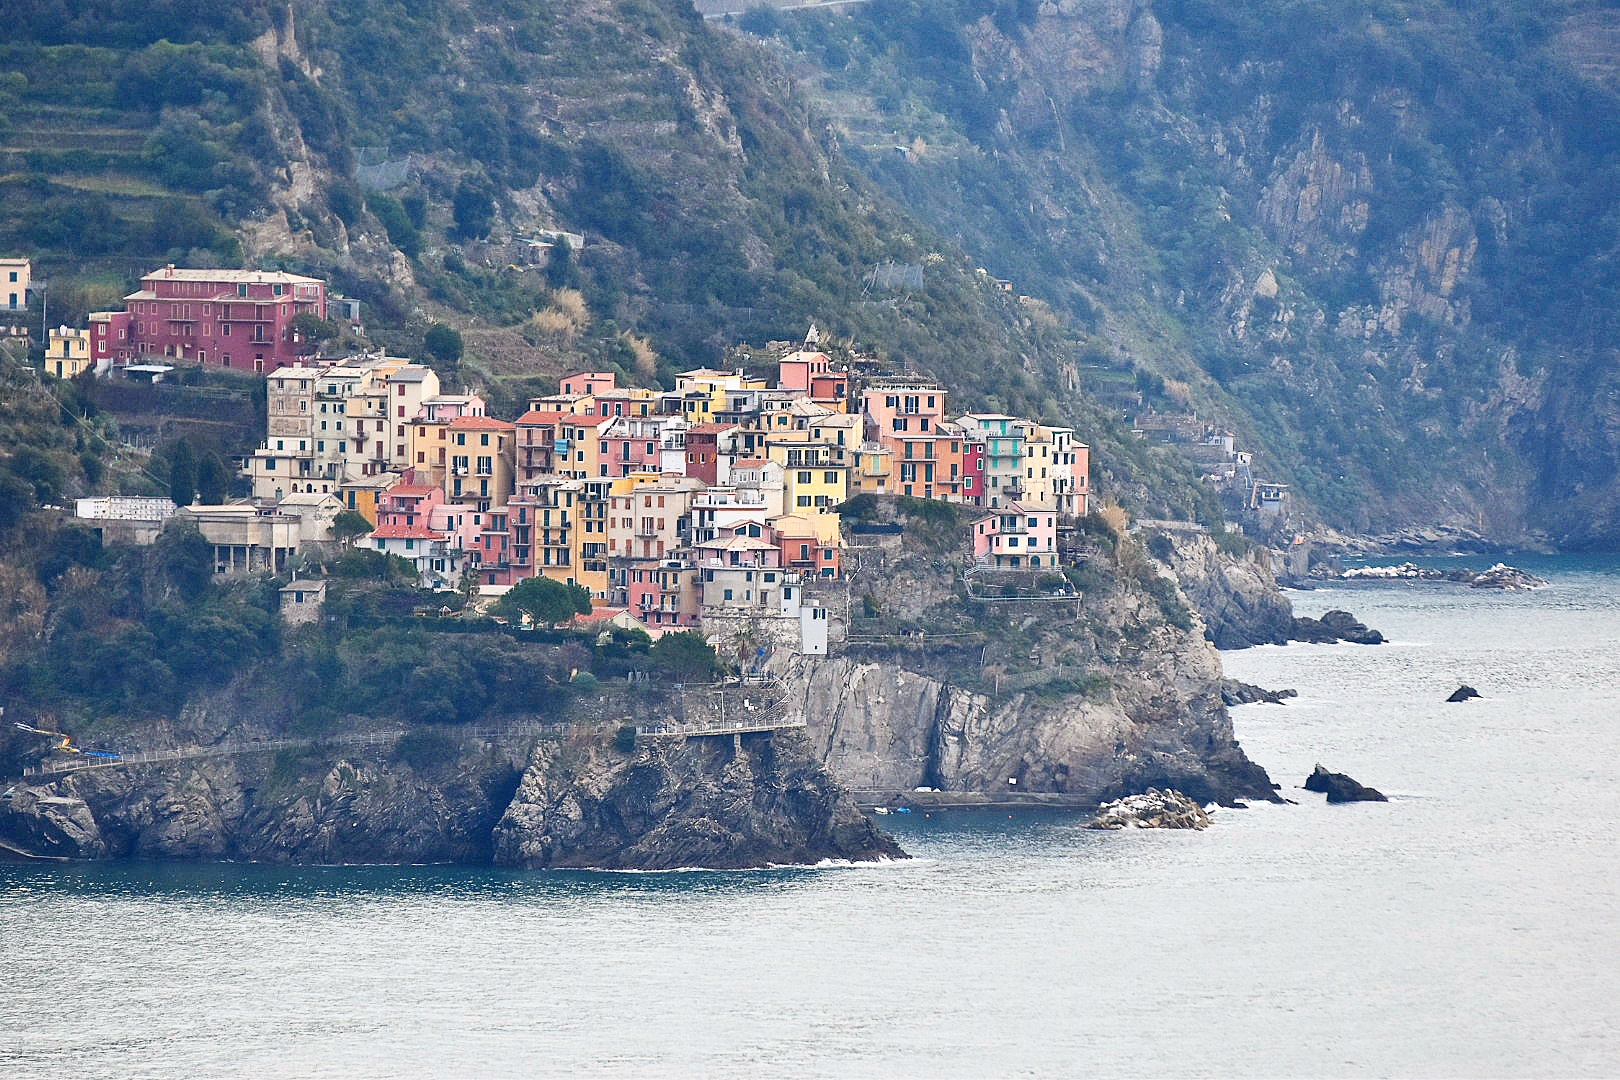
(1470, 927)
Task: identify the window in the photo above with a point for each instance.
(830, 478)
(241, 290)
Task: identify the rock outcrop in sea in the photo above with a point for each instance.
(1234, 692)
(1154, 809)
(1500, 576)
(1463, 693)
(1339, 788)
(1333, 627)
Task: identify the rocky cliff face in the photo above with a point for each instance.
(1099, 695)
(883, 727)
(714, 801)
(578, 803)
(1236, 595)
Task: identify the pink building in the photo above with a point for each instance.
(633, 444)
(1017, 537)
(537, 443)
(408, 504)
(220, 318)
(663, 593)
(587, 383)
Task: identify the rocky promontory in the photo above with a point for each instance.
(756, 800)
(540, 796)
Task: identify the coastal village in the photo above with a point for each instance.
(710, 505)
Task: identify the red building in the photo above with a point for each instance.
(219, 318)
(703, 451)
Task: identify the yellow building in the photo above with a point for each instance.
(360, 493)
(588, 540)
(702, 392)
(873, 470)
(481, 453)
(815, 474)
(579, 448)
(15, 277)
(67, 352)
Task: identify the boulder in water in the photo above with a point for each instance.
(1463, 693)
(1351, 629)
(1234, 692)
(1333, 627)
(1154, 809)
(1340, 788)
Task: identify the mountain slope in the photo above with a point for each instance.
(1376, 240)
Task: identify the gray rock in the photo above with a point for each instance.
(761, 800)
(1333, 627)
(1153, 810)
(1234, 692)
(41, 822)
(1463, 693)
(1339, 788)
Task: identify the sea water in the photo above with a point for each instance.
(1468, 927)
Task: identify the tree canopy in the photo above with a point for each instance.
(544, 599)
(685, 657)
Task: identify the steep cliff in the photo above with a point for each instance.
(1234, 590)
(560, 798)
(760, 800)
(1097, 683)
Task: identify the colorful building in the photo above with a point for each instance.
(238, 319)
(1017, 537)
(67, 352)
(16, 276)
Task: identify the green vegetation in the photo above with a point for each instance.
(1476, 132)
(683, 656)
(545, 600)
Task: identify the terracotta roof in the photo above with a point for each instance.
(600, 614)
(405, 532)
(749, 463)
(709, 429)
(411, 490)
(545, 416)
(482, 423)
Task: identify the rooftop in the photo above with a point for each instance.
(404, 532)
(481, 423)
(235, 277)
(545, 416)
